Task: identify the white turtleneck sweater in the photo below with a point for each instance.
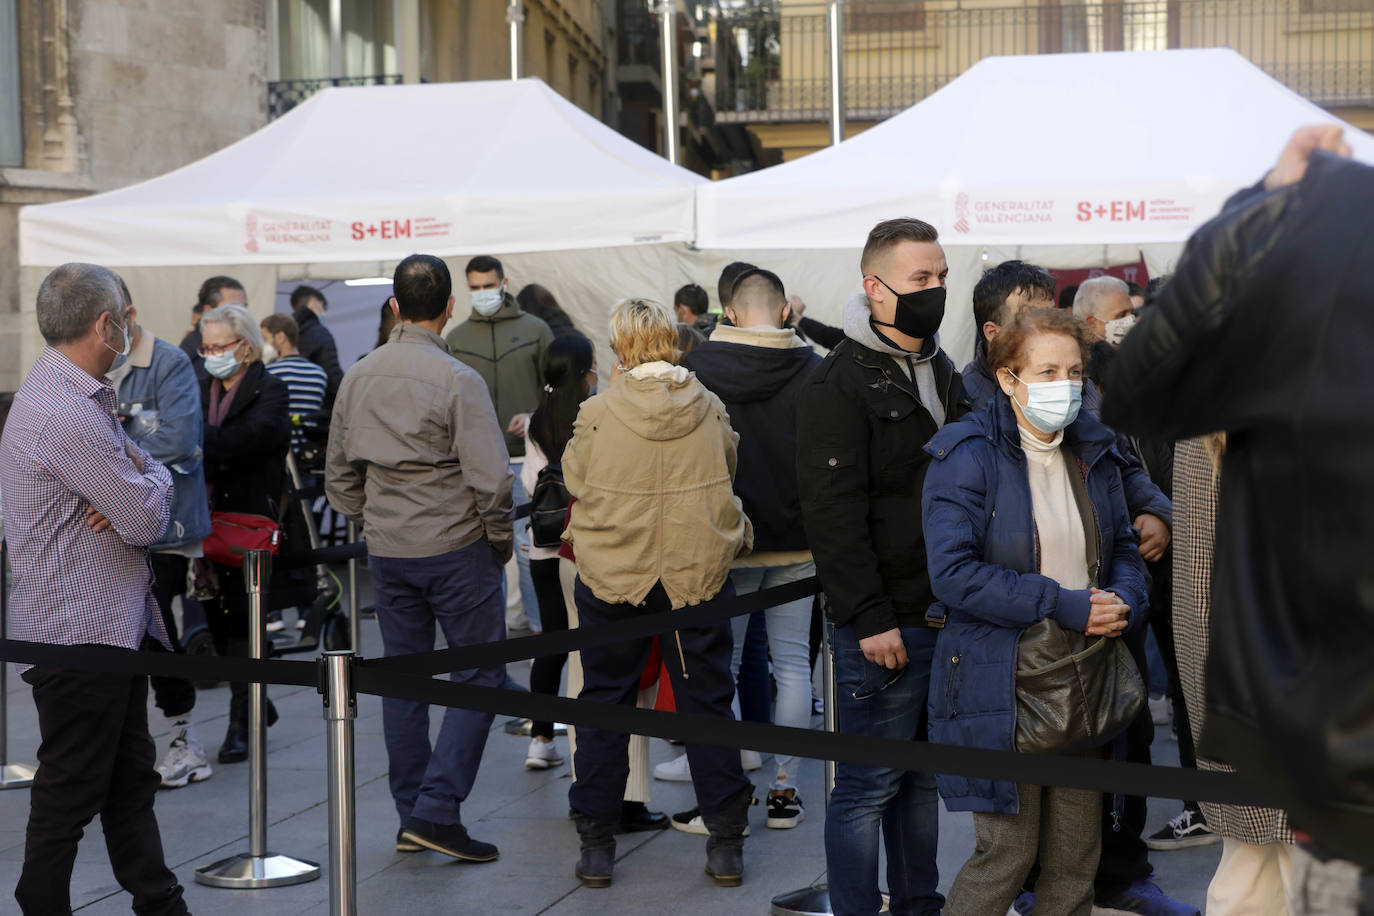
(1063, 551)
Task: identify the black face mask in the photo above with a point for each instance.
(918, 314)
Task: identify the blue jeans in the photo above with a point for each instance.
(883, 704)
(461, 591)
(529, 598)
(789, 643)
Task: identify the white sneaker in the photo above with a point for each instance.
(185, 762)
(677, 770)
(542, 755)
(1161, 710)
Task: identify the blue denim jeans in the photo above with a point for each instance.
(529, 598)
(883, 704)
(461, 592)
(789, 643)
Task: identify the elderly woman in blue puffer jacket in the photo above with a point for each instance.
(1025, 520)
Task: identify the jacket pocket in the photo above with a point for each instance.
(952, 679)
(833, 459)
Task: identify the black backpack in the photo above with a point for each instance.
(549, 507)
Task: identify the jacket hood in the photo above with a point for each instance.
(659, 409)
(509, 309)
(740, 373)
(305, 317)
(858, 328)
(996, 422)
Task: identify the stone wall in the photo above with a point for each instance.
(118, 91)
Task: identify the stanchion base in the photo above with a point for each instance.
(809, 901)
(16, 776)
(245, 871)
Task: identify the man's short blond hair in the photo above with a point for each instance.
(643, 331)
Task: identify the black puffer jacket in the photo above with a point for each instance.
(245, 457)
(1265, 331)
(861, 433)
(317, 345)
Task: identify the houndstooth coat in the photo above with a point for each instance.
(1195, 515)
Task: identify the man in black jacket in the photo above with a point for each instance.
(758, 368)
(308, 306)
(1264, 331)
(861, 424)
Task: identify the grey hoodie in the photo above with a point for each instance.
(916, 366)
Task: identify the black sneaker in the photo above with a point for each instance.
(450, 839)
(785, 809)
(1188, 829)
(404, 845)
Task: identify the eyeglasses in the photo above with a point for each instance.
(216, 350)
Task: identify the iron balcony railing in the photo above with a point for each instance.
(897, 52)
(284, 95)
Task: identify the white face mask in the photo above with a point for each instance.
(1051, 406)
(1116, 331)
(120, 355)
(270, 354)
(487, 302)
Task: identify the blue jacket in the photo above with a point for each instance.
(159, 402)
(981, 546)
(1142, 494)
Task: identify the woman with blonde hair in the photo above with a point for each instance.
(656, 525)
(247, 433)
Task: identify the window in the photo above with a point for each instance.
(367, 43)
(11, 121)
(1336, 6)
(885, 15)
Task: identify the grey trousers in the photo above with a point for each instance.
(1062, 826)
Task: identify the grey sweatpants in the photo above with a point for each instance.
(1062, 826)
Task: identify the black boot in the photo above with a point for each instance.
(725, 843)
(235, 746)
(598, 851)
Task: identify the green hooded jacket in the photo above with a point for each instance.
(508, 349)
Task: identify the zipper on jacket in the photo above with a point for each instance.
(677, 635)
(495, 372)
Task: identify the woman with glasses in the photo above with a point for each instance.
(1025, 521)
(247, 433)
(655, 526)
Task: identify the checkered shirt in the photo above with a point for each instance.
(63, 450)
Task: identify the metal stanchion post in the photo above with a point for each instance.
(12, 775)
(355, 617)
(340, 709)
(258, 867)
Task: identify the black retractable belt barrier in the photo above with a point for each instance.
(408, 677)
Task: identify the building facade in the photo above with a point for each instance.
(897, 52)
(98, 94)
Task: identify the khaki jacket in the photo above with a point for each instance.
(415, 452)
(652, 463)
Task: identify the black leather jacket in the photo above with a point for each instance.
(1266, 330)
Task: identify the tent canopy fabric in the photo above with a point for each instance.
(375, 173)
(1157, 141)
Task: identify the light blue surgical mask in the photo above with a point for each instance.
(1051, 406)
(487, 302)
(222, 365)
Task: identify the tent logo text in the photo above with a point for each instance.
(382, 228)
(1115, 211)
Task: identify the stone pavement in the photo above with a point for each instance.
(523, 812)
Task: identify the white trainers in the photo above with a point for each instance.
(185, 762)
(677, 770)
(542, 755)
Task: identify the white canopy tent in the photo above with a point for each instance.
(355, 179)
(1067, 160)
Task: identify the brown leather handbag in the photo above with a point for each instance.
(1073, 692)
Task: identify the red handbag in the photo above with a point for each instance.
(232, 534)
